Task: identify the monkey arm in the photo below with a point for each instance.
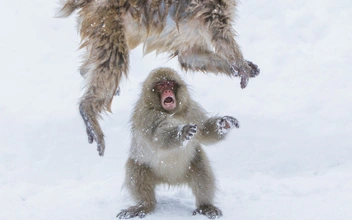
(216, 128)
(169, 135)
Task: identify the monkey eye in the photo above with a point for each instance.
(169, 84)
(159, 86)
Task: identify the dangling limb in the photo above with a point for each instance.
(223, 39)
(106, 61)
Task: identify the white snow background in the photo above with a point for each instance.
(290, 159)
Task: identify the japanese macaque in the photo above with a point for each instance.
(168, 128)
(198, 32)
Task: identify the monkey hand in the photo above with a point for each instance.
(249, 70)
(226, 123)
(188, 131)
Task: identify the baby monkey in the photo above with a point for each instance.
(168, 128)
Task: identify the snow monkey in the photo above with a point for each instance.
(168, 128)
(198, 32)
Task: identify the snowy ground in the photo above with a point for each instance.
(291, 158)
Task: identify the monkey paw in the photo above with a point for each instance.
(93, 131)
(226, 123)
(241, 72)
(249, 70)
(189, 131)
(98, 139)
(210, 211)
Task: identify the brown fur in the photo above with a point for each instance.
(199, 32)
(166, 147)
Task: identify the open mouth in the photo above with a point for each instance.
(169, 103)
(168, 100)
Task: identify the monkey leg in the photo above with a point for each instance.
(202, 183)
(205, 61)
(106, 60)
(140, 181)
(223, 38)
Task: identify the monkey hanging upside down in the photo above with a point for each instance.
(168, 128)
(198, 32)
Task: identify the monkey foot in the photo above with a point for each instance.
(132, 212)
(91, 130)
(210, 211)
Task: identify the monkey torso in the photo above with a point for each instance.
(169, 165)
(170, 162)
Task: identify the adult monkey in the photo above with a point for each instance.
(199, 32)
(168, 128)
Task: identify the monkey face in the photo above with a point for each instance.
(167, 89)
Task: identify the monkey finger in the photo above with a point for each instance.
(193, 130)
(193, 127)
(90, 137)
(124, 214)
(232, 121)
(237, 124)
(244, 82)
(101, 147)
(234, 70)
(255, 71)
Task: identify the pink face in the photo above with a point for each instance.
(166, 89)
